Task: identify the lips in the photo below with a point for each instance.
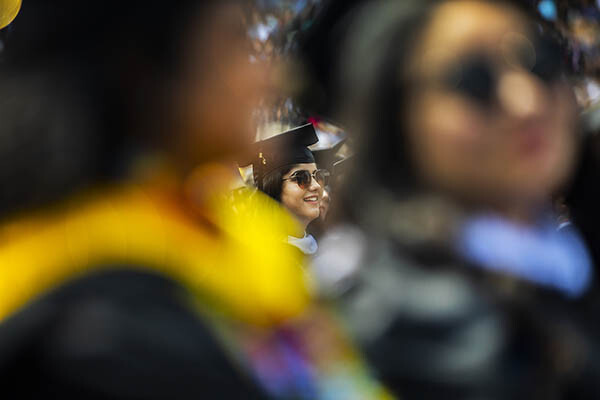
(311, 199)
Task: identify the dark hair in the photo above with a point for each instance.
(76, 79)
(272, 183)
(382, 92)
(583, 194)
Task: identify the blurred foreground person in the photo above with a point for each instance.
(120, 258)
(468, 124)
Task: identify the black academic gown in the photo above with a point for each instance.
(119, 334)
(434, 326)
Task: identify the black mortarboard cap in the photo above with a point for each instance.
(287, 148)
(341, 166)
(326, 157)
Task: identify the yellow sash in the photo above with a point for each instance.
(234, 260)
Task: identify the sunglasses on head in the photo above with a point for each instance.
(303, 178)
(477, 76)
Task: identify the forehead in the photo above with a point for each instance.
(297, 167)
(460, 27)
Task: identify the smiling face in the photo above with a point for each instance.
(504, 140)
(302, 203)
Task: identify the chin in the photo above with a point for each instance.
(312, 215)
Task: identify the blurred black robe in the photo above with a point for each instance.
(120, 334)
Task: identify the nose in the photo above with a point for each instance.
(314, 185)
(522, 95)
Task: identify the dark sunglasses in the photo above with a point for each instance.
(477, 76)
(303, 178)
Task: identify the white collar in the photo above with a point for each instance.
(540, 254)
(306, 244)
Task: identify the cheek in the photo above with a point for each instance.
(542, 170)
(231, 99)
(218, 111)
(563, 139)
(291, 196)
(447, 138)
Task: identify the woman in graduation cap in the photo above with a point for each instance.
(285, 169)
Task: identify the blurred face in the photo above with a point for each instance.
(302, 203)
(219, 90)
(488, 124)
